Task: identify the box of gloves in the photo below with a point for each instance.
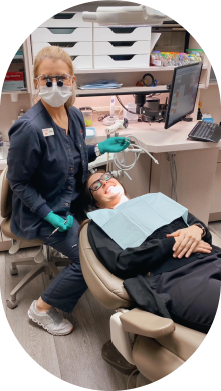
(14, 81)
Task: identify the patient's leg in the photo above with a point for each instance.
(194, 291)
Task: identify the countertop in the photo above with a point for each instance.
(156, 139)
(152, 137)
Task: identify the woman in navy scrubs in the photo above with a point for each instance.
(47, 165)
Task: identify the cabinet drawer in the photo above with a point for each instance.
(119, 47)
(66, 19)
(100, 48)
(122, 61)
(72, 48)
(112, 62)
(58, 34)
(82, 62)
(122, 34)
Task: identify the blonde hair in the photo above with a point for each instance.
(55, 53)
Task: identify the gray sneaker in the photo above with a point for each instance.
(52, 320)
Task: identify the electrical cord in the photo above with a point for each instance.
(120, 101)
(173, 171)
(132, 112)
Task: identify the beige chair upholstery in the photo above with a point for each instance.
(161, 346)
(43, 262)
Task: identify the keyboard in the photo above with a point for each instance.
(203, 131)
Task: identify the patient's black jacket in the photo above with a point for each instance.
(154, 255)
(139, 266)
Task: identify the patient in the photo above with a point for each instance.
(173, 273)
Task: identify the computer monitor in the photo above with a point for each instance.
(183, 93)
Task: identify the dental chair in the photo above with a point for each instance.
(156, 346)
(43, 261)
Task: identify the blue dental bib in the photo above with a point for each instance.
(131, 222)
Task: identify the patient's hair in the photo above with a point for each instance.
(87, 200)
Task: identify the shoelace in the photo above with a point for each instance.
(55, 315)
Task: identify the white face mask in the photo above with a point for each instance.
(55, 96)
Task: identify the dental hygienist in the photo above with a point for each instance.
(47, 165)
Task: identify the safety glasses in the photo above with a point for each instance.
(97, 184)
(47, 80)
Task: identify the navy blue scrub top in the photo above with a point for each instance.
(45, 173)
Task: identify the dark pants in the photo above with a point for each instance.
(194, 290)
(67, 288)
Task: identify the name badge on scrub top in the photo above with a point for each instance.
(48, 132)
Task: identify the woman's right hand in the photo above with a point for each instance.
(57, 221)
(202, 247)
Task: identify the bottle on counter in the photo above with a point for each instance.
(21, 113)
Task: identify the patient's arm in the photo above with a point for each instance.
(132, 261)
(191, 220)
(187, 239)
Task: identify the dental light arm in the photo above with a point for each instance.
(133, 15)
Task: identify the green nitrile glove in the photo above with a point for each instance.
(57, 221)
(113, 144)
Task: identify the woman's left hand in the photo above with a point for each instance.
(113, 144)
(186, 240)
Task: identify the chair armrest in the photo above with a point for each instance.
(144, 323)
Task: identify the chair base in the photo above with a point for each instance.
(48, 267)
(113, 357)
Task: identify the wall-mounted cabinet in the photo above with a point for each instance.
(15, 79)
(18, 79)
(120, 53)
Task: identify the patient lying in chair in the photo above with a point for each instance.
(174, 272)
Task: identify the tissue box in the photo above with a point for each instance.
(90, 132)
(14, 81)
(207, 118)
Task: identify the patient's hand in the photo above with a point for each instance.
(187, 240)
(202, 247)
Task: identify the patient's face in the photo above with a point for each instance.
(109, 194)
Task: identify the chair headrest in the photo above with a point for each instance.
(5, 195)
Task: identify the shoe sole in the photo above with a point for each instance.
(44, 327)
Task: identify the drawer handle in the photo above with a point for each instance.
(122, 30)
(122, 57)
(63, 44)
(122, 44)
(60, 30)
(63, 16)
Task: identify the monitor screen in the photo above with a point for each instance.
(183, 93)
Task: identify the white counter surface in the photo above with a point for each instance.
(157, 139)
(152, 137)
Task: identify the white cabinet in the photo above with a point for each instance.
(95, 47)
